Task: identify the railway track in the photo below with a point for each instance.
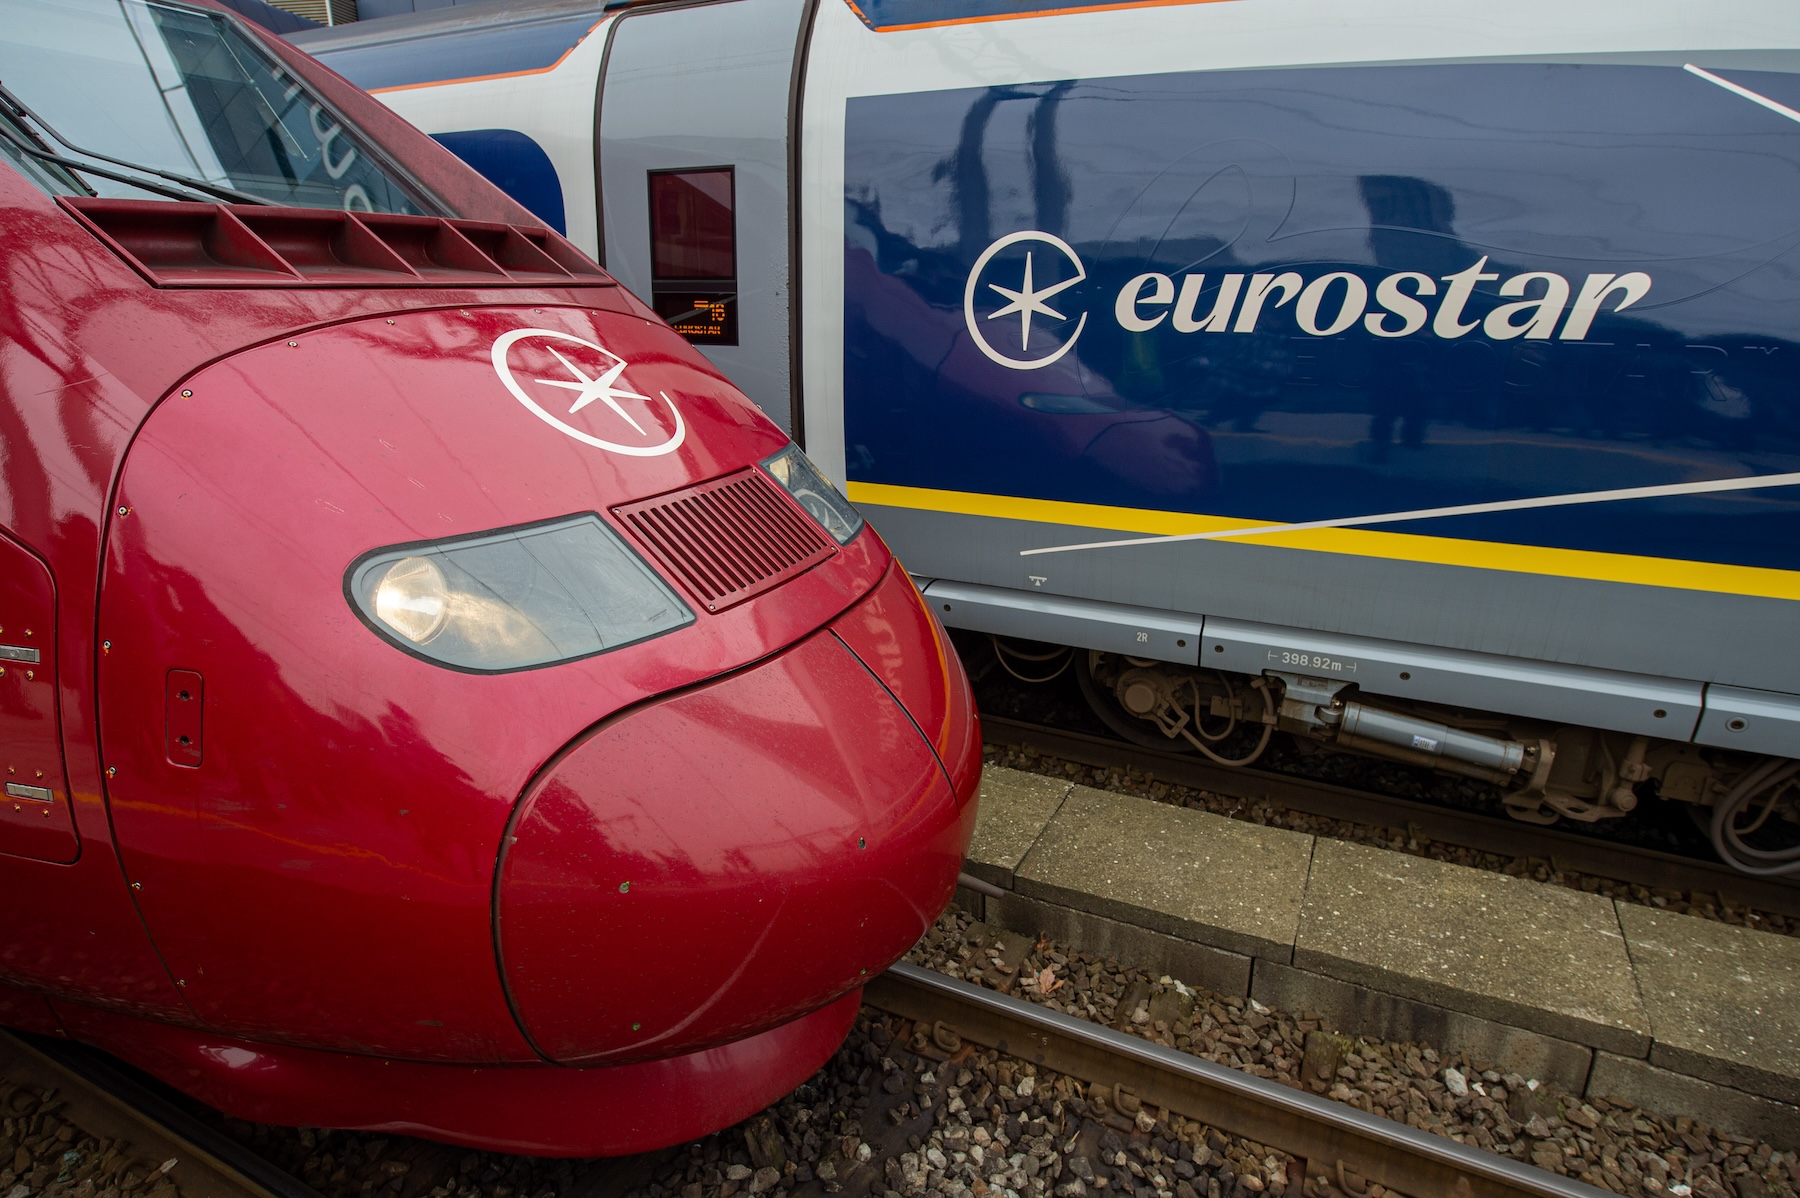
(100, 1102)
(1340, 1151)
(1334, 1150)
(1566, 851)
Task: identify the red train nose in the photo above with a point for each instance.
(721, 861)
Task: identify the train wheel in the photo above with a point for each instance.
(1097, 672)
(1159, 706)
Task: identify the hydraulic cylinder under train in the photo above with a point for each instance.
(1319, 708)
(1427, 743)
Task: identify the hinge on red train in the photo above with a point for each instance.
(183, 718)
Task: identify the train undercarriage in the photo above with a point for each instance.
(1747, 805)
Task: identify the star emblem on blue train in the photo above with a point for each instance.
(1027, 300)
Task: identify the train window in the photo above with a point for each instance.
(693, 252)
(136, 98)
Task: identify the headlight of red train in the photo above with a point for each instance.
(517, 598)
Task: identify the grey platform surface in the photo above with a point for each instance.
(1202, 877)
(1724, 1002)
(1015, 806)
(1470, 940)
(1605, 998)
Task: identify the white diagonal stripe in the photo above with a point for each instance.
(1752, 483)
(1745, 92)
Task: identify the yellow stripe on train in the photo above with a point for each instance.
(1399, 546)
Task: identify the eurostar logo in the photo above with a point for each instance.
(1536, 305)
(593, 373)
(1047, 257)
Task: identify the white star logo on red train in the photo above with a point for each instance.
(603, 380)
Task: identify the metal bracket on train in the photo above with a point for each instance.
(1590, 781)
(1594, 782)
(1570, 773)
(1170, 700)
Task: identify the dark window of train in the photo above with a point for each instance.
(693, 252)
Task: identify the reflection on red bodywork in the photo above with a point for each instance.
(723, 860)
(885, 631)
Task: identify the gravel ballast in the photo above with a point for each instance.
(43, 1155)
(1615, 1146)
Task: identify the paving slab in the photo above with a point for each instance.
(1544, 958)
(1639, 1083)
(1359, 1011)
(1013, 810)
(1190, 874)
(1724, 1002)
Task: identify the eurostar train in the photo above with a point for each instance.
(1419, 378)
(432, 697)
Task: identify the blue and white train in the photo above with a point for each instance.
(1420, 377)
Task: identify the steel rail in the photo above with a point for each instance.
(1565, 850)
(103, 1102)
(1348, 1147)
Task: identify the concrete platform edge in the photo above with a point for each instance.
(1361, 1011)
(1732, 1075)
(1642, 1084)
(1489, 1009)
(1196, 964)
(1153, 921)
(1358, 1010)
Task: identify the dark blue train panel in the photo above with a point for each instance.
(1317, 293)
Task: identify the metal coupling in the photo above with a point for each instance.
(1429, 743)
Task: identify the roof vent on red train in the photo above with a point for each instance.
(729, 539)
(174, 244)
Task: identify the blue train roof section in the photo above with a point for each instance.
(412, 51)
(516, 165)
(888, 16)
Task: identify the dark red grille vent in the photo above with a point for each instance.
(728, 539)
(175, 244)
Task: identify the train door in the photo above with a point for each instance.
(35, 818)
(693, 152)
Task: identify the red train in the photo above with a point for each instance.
(433, 698)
